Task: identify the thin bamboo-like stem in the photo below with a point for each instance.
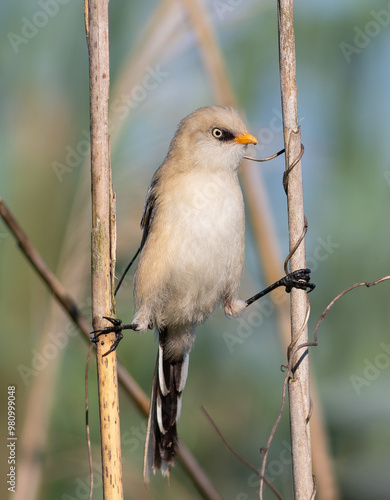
(299, 391)
(103, 241)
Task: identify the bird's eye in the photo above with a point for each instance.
(217, 133)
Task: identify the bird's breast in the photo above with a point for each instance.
(206, 210)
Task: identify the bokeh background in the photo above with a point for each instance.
(343, 66)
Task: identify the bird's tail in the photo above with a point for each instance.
(165, 404)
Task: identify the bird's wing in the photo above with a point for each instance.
(146, 222)
(149, 210)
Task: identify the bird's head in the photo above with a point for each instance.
(212, 137)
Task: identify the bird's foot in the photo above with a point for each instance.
(299, 279)
(117, 328)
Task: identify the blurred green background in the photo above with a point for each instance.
(343, 67)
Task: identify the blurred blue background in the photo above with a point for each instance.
(343, 68)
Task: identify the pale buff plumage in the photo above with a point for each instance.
(192, 256)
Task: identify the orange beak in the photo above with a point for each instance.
(246, 138)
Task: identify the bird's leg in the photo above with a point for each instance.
(117, 328)
(298, 279)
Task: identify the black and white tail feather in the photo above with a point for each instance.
(165, 405)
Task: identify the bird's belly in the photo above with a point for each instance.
(207, 250)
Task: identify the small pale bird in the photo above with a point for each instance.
(191, 259)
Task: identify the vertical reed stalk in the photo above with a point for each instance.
(103, 242)
(299, 392)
